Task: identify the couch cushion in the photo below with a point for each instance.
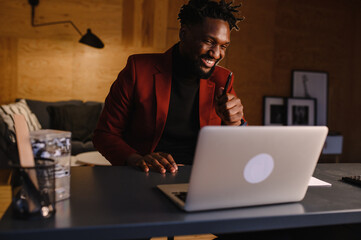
(80, 120)
(94, 103)
(39, 108)
(20, 107)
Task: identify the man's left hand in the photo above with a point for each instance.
(229, 108)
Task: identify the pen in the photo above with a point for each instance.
(227, 84)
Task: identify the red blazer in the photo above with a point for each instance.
(136, 108)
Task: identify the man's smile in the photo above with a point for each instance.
(208, 62)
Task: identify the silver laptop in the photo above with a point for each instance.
(247, 166)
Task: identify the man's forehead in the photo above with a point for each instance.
(215, 28)
(208, 21)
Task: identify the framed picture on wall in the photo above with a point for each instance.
(274, 112)
(312, 84)
(301, 111)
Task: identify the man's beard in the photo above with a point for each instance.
(197, 70)
(206, 75)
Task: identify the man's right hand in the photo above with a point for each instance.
(158, 161)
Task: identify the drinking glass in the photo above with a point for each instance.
(56, 145)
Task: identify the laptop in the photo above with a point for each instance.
(248, 166)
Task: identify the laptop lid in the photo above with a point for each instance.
(246, 166)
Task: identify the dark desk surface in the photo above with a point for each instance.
(123, 203)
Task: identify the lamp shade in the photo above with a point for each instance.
(92, 40)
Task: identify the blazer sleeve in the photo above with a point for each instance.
(231, 90)
(109, 135)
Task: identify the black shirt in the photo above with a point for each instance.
(182, 125)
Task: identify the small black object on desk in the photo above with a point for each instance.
(355, 180)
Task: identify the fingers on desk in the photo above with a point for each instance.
(161, 162)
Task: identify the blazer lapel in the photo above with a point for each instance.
(206, 98)
(163, 82)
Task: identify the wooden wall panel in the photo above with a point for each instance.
(8, 69)
(281, 35)
(160, 24)
(14, 18)
(148, 13)
(44, 69)
(173, 10)
(346, 112)
(90, 75)
(315, 44)
(128, 22)
(250, 56)
(53, 66)
(138, 8)
(173, 25)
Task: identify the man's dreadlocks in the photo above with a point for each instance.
(196, 10)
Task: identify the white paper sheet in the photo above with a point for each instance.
(317, 182)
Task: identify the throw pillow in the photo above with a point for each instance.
(39, 108)
(80, 120)
(21, 107)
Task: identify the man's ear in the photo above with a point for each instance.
(182, 33)
(184, 30)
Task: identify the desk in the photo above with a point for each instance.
(123, 203)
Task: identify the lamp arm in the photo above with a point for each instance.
(50, 23)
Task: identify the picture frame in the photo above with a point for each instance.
(301, 111)
(312, 84)
(274, 111)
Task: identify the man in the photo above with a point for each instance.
(155, 108)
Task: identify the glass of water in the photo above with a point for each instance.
(56, 145)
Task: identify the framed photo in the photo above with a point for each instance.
(311, 84)
(274, 111)
(301, 111)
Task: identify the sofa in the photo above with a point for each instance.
(76, 116)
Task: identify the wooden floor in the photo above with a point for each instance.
(5, 199)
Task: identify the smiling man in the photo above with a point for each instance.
(159, 102)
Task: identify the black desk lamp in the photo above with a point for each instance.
(89, 38)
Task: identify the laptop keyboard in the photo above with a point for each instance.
(181, 195)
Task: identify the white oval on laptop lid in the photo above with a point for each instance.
(258, 168)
